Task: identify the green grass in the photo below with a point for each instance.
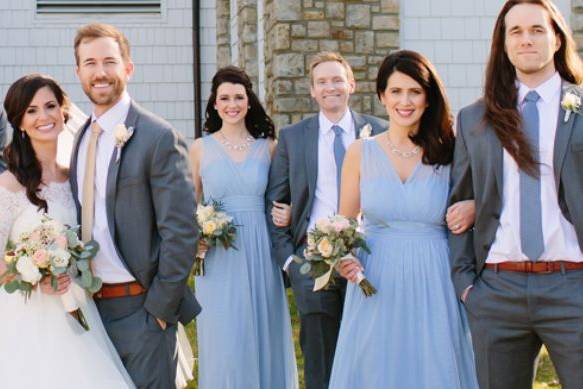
(546, 377)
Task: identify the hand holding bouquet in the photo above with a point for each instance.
(50, 250)
(332, 240)
(216, 228)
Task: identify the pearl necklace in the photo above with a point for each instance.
(403, 154)
(239, 146)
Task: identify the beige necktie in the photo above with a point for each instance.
(88, 205)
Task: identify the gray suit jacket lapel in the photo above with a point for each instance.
(311, 132)
(564, 131)
(73, 167)
(496, 153)
(113, 172)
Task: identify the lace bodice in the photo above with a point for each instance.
(18, 215)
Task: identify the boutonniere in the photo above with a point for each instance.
(570, 103)
(122, 134)
(365, 131)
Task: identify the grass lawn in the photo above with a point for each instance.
(545, 378)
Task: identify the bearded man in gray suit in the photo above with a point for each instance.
(305, 171)
(519, 154)
(131, 181)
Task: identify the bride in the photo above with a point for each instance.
(42, 346)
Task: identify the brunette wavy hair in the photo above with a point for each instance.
(258, 123)
(435, 135)
(20, 155)
(501, 94)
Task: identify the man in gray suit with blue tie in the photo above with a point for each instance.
(3, 135)
(131, 182)
(519, 154)
(305, 172)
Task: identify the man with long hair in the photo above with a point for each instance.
(306, 172)
(519, 154)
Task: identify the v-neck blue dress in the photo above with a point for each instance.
(244, 330)
(413, 332)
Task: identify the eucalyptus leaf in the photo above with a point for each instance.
(12, 286)
(83, 265)
(305, 268)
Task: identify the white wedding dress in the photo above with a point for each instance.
(41, 346)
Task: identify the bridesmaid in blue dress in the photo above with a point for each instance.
(244, 330)
(413, 332)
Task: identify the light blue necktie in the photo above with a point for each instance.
(531, 227)
(339, 152)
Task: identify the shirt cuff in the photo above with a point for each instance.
(287, 262)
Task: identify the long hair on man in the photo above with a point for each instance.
(501, 94)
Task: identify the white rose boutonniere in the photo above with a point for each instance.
(122, 134)
(366, 131)
(570, 103)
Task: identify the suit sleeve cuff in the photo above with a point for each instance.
(288, 261)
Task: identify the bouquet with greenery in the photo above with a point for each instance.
(49, 250)
(332, 240)
(216, 228)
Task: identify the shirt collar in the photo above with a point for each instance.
(115, 115)
(547, 90)
(346, 123)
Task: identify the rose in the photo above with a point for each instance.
(41, 258)
(325, 248)
(571, 101)
(365, 131)
(61, 258)
(62, 242)
(209, 227)
(121, 135)
(339, 223)
(204, 212)
(28, 270)
(323, 225)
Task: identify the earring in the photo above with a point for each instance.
(22, 134)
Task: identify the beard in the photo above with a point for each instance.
(105, 98)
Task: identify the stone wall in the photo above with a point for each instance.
(362, 31)
(577, 23)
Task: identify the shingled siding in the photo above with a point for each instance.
(161, 50)
(362, 31)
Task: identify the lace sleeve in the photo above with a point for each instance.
(9, 205)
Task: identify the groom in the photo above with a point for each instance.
(305, 172)
(519, 154)
(131, 181)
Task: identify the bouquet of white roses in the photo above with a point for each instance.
(49, 250)
(216, 228)
(332, 240)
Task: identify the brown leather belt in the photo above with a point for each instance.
(535, 267)
(124, 289)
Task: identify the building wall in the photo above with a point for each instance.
(364, 32)
(161, 50)
(208, 48)
(455, 36)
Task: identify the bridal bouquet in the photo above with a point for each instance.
(332, 240)
(51, 249)
(216, 228)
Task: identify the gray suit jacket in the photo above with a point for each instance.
(477, 174)
(150, 210)
(292, 179)
(3, 135)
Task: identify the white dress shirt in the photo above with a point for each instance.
(560, 240)
(326, 195)
(106, 264)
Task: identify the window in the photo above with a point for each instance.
(149, 7)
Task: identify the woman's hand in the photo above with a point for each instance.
(63, 283)
(202, 248)
(349, 269)
(461, 216)
(5, 278)
(281, 214)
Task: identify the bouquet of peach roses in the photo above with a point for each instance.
(216, 228)
(49, 250)
(332, 240)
